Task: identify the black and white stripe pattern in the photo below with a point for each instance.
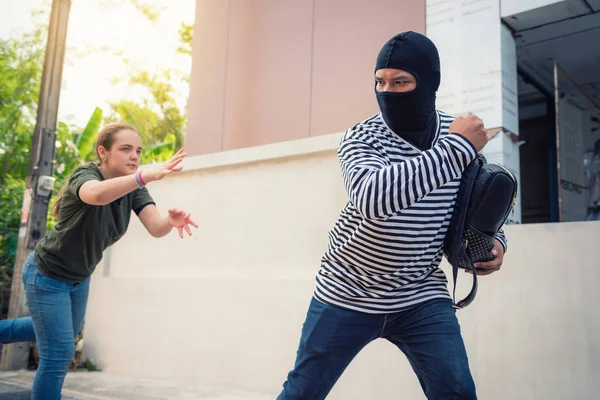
(385, 249)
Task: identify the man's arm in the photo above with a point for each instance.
(501, 237)
(379, 191)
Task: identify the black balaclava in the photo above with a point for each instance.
(411, 115)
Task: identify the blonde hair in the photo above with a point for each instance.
(106, 138)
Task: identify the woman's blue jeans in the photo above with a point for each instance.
(57, 311)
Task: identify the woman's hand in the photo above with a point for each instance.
(166, 168)
(181, 220)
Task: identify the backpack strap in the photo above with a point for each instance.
(455, 246)
(471, 296)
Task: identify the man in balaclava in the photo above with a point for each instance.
(379, 277)
(410, 114)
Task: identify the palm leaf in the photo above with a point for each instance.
(161, 151)
(125, 114)
(87, 139)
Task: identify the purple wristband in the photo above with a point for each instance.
(138, 179)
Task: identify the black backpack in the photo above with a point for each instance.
(486, 196)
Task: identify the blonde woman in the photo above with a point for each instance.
(93, 212)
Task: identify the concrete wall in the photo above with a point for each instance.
(225, 307)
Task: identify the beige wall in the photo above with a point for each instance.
(225, 307)
(266, 71)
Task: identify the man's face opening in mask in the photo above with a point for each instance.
(394, 80)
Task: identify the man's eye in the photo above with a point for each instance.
(401, 82)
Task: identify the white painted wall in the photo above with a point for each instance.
(225, 307)
(479, 72)
(479, 62)
(468, 39)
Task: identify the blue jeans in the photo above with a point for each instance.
(57, 310)
(428, 334)
(16, 330)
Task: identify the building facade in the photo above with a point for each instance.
(269, 71)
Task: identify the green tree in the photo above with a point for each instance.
(151, 11)
(157, 116)
(21, 61)
(11, 198)
(186, 32)
(149, 8)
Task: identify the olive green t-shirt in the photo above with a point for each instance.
(70, 251)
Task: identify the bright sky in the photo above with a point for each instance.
(118, 25)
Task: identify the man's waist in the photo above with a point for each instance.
(404, 279)
(378, 304)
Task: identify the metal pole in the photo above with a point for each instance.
(557, 138)
(39, 179)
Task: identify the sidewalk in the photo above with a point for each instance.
(100, 386)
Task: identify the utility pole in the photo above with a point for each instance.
(39, 180)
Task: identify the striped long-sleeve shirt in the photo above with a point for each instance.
(386, 247)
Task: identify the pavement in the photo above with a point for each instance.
(16, 385)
